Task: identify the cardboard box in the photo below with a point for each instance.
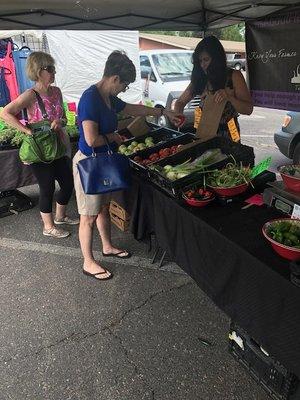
(124, 122)
(116, 209)
(120, 223)
(138, 127)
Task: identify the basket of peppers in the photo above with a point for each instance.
(198, 197)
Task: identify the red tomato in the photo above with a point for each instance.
(166, 152)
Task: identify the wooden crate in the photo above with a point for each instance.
(123, 225)
(116, 209)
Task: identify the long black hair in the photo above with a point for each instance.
(216, 73)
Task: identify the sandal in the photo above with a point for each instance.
(99, 273)
(118, 255)
(56, 233)
(67, 221)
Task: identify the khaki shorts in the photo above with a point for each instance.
(88, 204)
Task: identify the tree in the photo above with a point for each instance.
(233, 32)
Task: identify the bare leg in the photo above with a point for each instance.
(86, 240)
(47, 220)
(60, 211)
(104, 228)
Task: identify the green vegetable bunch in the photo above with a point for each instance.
(11, 136)
(230, 176)
(285, 232)
(200, 164)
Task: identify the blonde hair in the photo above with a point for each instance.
(35, 62)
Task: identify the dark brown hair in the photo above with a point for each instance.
(118, 63)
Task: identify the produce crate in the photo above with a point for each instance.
(160, 135)
(120, 223)
(241, 153)
(119, 211)
(181, 139)
(119, 216)
(275, 379)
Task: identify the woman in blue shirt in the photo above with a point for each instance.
(97, 116)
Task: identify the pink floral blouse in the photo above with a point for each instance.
(53, 106)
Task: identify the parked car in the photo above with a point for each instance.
(165, 75)
(235, 60)
(288, 138)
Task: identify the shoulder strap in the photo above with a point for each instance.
(25, 115)
(41, 104)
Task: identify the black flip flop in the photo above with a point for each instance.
(117, 254)
(99, 273)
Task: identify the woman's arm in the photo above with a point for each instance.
(183, 99)
(58, 123)
(92, 137)
(239, 97)
(140, 110)
(12, 109)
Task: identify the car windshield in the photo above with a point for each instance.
(173, 66)
(230, 57)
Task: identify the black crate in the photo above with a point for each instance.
(274, 378)
(159, 134)
(234, 151)
(184, 138)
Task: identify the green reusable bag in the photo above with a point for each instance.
(44, 145)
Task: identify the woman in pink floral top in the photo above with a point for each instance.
(41, 69)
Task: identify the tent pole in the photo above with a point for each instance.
(204, 22)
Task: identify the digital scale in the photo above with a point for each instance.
(281, 198)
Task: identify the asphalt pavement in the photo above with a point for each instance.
(257, 130)
(139, 336)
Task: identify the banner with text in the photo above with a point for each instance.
(273, 60)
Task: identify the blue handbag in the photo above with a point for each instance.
(104, 172)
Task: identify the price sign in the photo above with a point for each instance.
(262, 166)
(71, 118)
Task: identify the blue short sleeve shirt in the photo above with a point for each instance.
(91, 107)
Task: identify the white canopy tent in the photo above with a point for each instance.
(133, 14)
(80, 57)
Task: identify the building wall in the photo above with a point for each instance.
(146, 44)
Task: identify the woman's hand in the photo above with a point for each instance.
(115, 137)
(56, 125)
(28, 131)
(223, 94)
(177, 119)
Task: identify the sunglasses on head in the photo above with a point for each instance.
(49, 68)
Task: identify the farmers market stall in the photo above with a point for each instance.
(223, 250)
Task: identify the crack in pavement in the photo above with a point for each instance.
(77, 337)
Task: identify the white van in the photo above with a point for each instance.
(165, 74)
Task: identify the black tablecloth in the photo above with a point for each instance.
(13, 173)
(223, 250)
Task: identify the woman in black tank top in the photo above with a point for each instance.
(211, 75)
